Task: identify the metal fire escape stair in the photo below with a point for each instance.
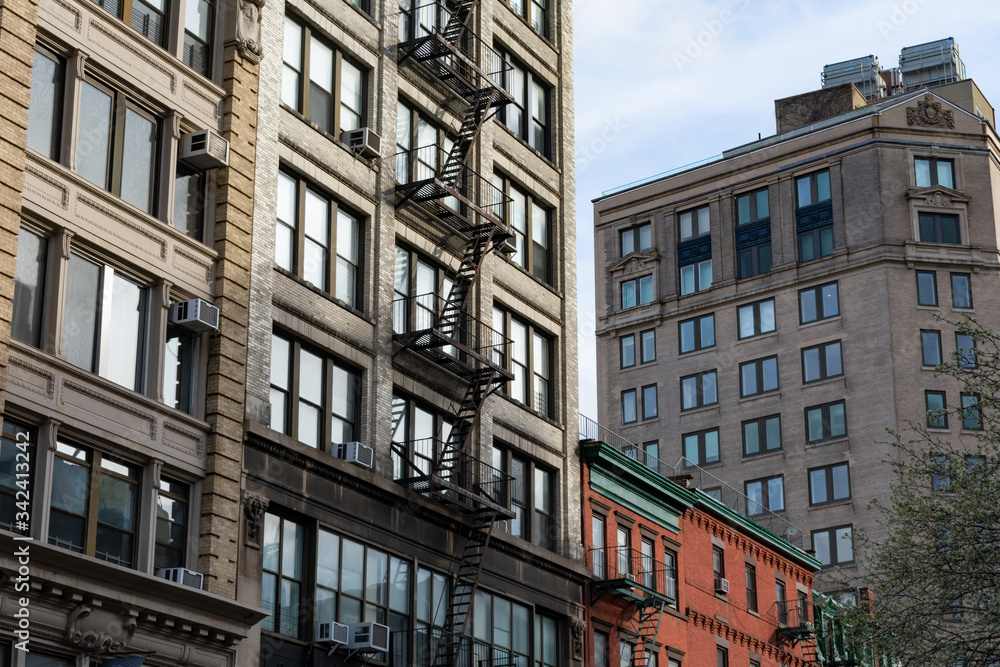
(650, 613)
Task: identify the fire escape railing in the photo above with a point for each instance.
(428, 642)
(624, 570)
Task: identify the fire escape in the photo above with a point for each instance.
(638, 580)
(436, 37)
(795, 628)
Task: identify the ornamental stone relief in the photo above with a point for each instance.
(928, 113)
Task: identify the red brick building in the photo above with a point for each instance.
(681, 579)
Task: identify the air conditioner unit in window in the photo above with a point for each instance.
(204, 149)
(368, 637)
(332, 632)
(357, 453)
(195, 315)
(630, 577)
(722, 586)
(182, 575)
(363, 141)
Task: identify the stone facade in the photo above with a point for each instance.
(873, 212)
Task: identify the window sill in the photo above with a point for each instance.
(700, 409)
(755, 337)
(335, 140)
(964, 311)
(832, 503)
(825, 320)
(926, 307)
(753, 613)
(829, 441)
(938, 429)
(747, 399)
(763, 455)
(695, 353)
(842, 379)
(326, 295)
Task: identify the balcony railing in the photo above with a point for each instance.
(469, 482)
(419, 181)
(452, 57)
(687, 473)
(623, 569)
(427, 646)
(793, 615)
(463, 344)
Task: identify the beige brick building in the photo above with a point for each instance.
(770, 314)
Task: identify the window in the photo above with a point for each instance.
(694, 223)
(118, 149)
(829, 483)
(46, 106)
(532, 11)
(932, 171)
(422, 147)
(702, 448)
(938, 228)
(636, 239)
(651, 450)
(29, 287)
(624, 654)
(761, 436)
(937, 409)
(753, 234)
(649, 402)
(834, 546)
(814, 216)
(179, 369)
(282, 574)
(309, 57)
(699, 390)
(756, 318)
(765, 495)
(965, 346)
(506, 625)
(171, 524)
(825, 421)
(317, 239)
(822, 362)
(696, 277)
(419, 434)
(421, 290)
(758, 376)
(600, 650)
(697, 333)
(313, 399)
(533, 498)
(94, 504)
(527, 116)
(528, 218)
(199, 23)
(630, 409)
(637, 292)
(17, 456)
(721, 657)
(751, 574)
(781, 601)
(818, 303)
(718, 563)
(530, 361)
(670, 577)
(648, 567)
(189, 201)
(104, 322)
(961, 290)
(972, 418)
(927, 288)
(599, 565)
(930, 345)
(647, 348)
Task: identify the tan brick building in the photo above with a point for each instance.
(128, 150)
(770, 314)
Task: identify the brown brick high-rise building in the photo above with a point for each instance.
(770, 314)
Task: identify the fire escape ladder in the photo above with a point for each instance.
(458, 22)
(466, 582)
(650, 613)
(472, 123)
(449, 463)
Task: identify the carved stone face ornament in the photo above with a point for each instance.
(248, 29)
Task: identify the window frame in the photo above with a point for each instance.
(753, 206)
(759, 263)
(933, 167)
(58, 106)
(814, 189)
(751, 585)
(526, 130)
(699, 379)
(819, 303)
(299, 236)
(968, 289)
(765, 504)
(697, 269)
(170, 488)
(308, 32)
(832, 537)
(828, 481)
(701, 444)
(940, 414)
(826, 422)
(526, 11)
(503, 458)
(634, 394)
(822, 361)
(20, 451)
(938, 230)
(532, 372)
(761, 424)
(759, 376)
(646, 413)
(525, 243)
(967, 355)
(930, 337)
(698, 331)
(276, 620)
(757, 319)
(971, 403)
(635, 232)
(636, 285)
(933, 286)
(695, 215)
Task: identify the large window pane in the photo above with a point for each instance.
(93, 144)
(122, 342)
(46, 105)
(138, 157)
(29, 283)
(79, 335)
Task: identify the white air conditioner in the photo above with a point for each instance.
(363, 141)
(630, 577)
(507, 248)
(368, 637)
(205, 149)
(357, 453)
(722, 586)
(195, 315)
(332, 632)
(181, 575)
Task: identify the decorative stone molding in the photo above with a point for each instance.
(635, 262)
(97, 630)
(254, 507)
(928, 113)
(248, 29)
(579, 630)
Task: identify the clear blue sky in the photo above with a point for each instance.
(664, 83)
